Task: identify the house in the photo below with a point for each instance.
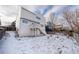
(29, 23)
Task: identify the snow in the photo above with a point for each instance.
(55, 43)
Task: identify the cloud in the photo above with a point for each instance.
(8, 10)
(58, 9)
(54, 9)
(11, 10)
(46, 10)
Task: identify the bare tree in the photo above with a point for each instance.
(53, 18)
(76, 20)
(67, 15)
(72, 18)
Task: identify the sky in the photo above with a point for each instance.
(12, 10)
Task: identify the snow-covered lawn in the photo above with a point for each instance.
(55, 43)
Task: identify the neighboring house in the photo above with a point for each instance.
(30, 24)
(6, 20)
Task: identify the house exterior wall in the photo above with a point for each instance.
(27, 23)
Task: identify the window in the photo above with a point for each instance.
(24, 21)
(42, 25)
(38, 17)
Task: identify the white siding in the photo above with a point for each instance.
(27, 20)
